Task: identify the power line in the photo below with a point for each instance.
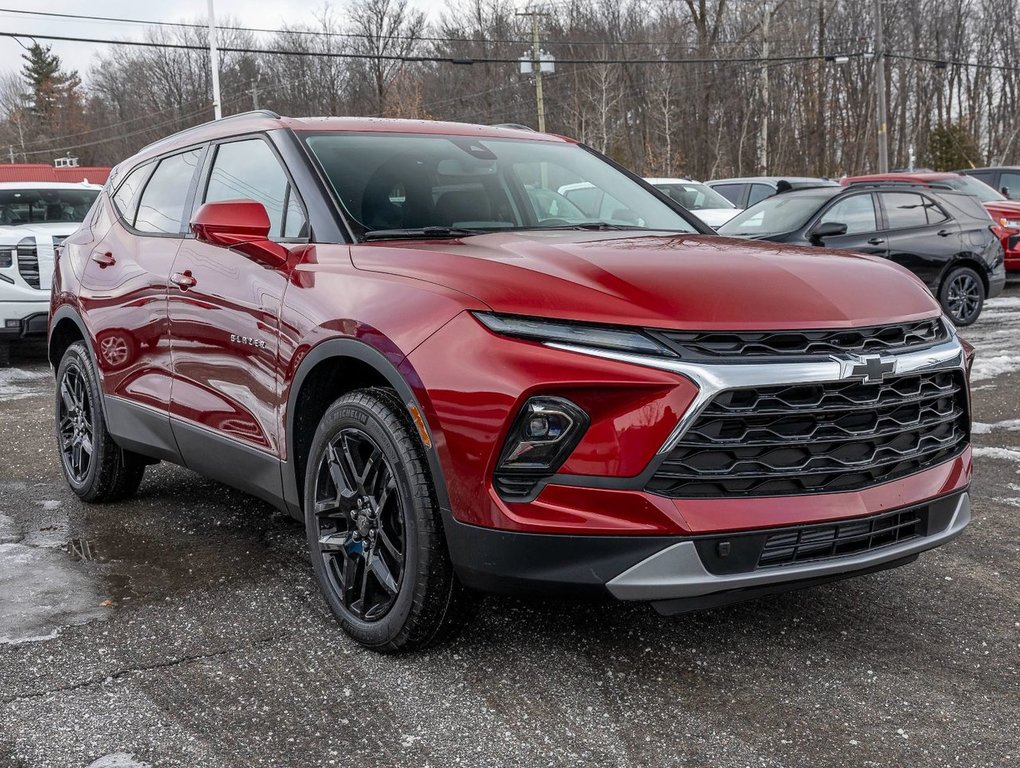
(467, 60)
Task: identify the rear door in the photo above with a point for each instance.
(124, 294)
(224, 311)
(921, 236)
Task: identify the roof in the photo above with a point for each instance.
(21, 172)
(917, 178)
(264, 120)
(991, 168)
(774, 180)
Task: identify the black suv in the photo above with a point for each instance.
(942, 236)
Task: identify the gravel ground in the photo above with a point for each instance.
(183, 628)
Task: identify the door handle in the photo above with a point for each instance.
(104, 260)
(944, 232)
(183, 280)
(876, 241)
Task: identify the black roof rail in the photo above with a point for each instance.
(940, 185)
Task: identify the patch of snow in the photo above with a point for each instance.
(1010, 425)
(1007, 454)
(990, 366)
(16, 383)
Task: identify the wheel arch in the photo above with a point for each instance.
(969, 261)
(329, 370)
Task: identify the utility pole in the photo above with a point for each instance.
(255, 93)
(10, 148)
(536, 64)
(214, 62)
(883, 140)
(763, 133)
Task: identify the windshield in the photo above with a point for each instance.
(774, 215)
(44, 206)
(972, 186)
(694, 196)
(392, 183)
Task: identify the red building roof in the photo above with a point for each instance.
(94, 174)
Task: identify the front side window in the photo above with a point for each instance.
(1010, 184)
(904, 210)
(758, 193)
(695, 197)
(249, 170)
(857, 212)
(732, 192)
(162, 205)
(412, 182)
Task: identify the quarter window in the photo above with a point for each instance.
(162, 205)
(249, 170)
(127, 195)
(857, 212)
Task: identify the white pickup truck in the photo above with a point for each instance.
(35, 216)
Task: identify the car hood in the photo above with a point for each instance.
(1008, 208)
(716, 217)
(40, 231)
(678, 281)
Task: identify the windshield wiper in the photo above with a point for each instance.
(594, 226)
(422, 233)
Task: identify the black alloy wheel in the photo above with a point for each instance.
(375, 529)
(963, 296)
(75, 430)
(362, 535)
(95, 467)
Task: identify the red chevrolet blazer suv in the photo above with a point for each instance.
(460, 380)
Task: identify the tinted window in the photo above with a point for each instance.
(1010, 181)
(904, 209)
(758, 193)
(45, 206)
(162, 205)
(857, 212)
(249, 170)
(776, 215)
(127, 195)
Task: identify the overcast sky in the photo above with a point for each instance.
(79, 55)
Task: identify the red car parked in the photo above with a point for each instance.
(377, 326)
(1005, 213)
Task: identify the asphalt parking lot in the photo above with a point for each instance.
(183, 628)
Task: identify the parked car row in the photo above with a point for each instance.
(476, 358)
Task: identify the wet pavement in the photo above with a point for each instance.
(183, 628)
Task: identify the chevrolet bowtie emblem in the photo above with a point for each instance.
(870, 369)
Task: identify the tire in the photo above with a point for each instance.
(374, 529)
(95, 467)
(962, 296)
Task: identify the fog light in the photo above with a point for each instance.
(544, 433)
(13, 323)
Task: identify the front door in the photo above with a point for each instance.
(224, 311)
(859, 215)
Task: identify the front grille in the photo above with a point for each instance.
(28, 261)
(819, 542)
(740, 345)
(815, 438)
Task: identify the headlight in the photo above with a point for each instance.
(544, 433)
(1009, 223)
(603, 337)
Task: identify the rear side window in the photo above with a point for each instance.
(1009, 185)
(162, 205)
(249, 170)
(126, 198)
(904, 210)
(857, 212)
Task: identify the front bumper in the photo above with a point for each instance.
(19, 319)
(668, 570)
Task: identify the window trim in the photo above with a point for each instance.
(205, 176)
(183, 229)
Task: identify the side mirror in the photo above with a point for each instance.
(1005, 192)
(239, 224)
(819, 232)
